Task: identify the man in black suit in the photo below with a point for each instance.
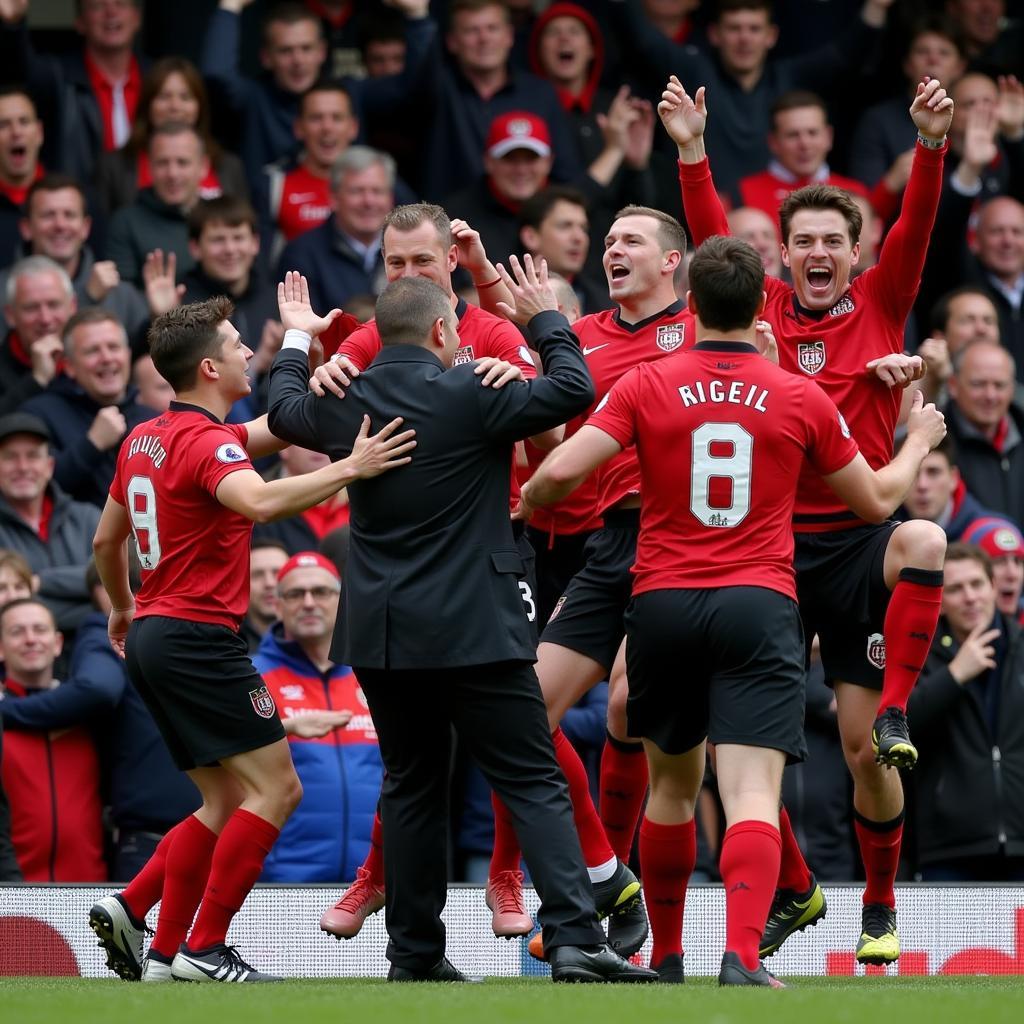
(433, 621)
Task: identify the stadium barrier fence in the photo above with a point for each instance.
(944, 929)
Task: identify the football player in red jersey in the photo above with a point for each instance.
(714, 638)
(186, 489)
(871, 593)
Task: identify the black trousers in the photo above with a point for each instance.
(498, 713)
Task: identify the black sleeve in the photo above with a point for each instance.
(524, 408)
(291, 412)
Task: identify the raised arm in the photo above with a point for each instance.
(219, 60)
(901, 261)
(684, 119)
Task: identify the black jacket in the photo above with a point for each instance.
(969, 781)
(433, 570)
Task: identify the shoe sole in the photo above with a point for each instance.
(120, 962)
(901, 755)
(351, 935)
(627, 949)
(800, 926)
(877, 959)
(578, 976)
(624, 901)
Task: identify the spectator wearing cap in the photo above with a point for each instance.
(332, 738)
(967, 714)
(517, 162)
(40, 522)
(1001, 540)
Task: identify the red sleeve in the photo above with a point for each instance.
(883, 201)
(116, 486)
(332, 338)
(829, 444)
(897, 277)
(616, 412)
(215, 452)
(701, 204)
(504, 341)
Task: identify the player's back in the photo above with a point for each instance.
(194, 551)
(721, 435)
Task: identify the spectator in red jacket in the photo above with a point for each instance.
(51, 777)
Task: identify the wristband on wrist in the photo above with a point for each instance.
(490, 284)
(931, 143)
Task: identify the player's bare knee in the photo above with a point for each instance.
(923, 545)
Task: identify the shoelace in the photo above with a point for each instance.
(877, 919)
(359, 892)
(508, 893)
(234, 958)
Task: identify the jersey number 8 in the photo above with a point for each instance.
(725, 452)
(142, 509)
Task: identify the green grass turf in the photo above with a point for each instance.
(806, 1001)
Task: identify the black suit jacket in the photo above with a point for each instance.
(433, 571)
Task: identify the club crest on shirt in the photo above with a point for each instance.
(262, 702)
(811, 356)
(463, 355)
(670, 337)
(557, 608)
(843, 306)
(231, 453)
(876, 650)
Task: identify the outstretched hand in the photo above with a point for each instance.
(296, 311)
(385, 450)
(531, 291)
(932, 109)
(684, 117)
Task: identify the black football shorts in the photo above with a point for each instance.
(200, 686)
(725, 664)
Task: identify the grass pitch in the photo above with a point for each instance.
(925, 1000)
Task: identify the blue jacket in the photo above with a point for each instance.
(328, 836)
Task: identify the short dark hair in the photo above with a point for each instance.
(327, 85)
(937, 24)
(939, 317)
(266, 543)
(55, 183)
(410, 216)
(16, 563)
(288, 12)
(224, 209)
(19, 90)
(724, 7)
(671, 233)
(408, 308)
(173, 128)
(182, 338)
(535, 210)
(727, 282)
(472, 6)
(958, 551)
(90, 315)
(821, 197)
(19, 602)
(796, 99)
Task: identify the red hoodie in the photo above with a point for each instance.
(561, 10)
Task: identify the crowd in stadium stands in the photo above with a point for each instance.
(133, 179)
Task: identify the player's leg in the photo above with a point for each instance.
(749, 781)
(270, 792)
(913, 572)
(623, 767)
(878, 822)
(668, 850)
(365, 896)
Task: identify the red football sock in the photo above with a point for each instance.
(749, 866)
(793, 871)
(374, 862)
(596, 848)
(667, 856)
(142, 892)
(909, 627)
(186, 869)
(237, 863)
(506, 854)
(879, 843)
(623, 788)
